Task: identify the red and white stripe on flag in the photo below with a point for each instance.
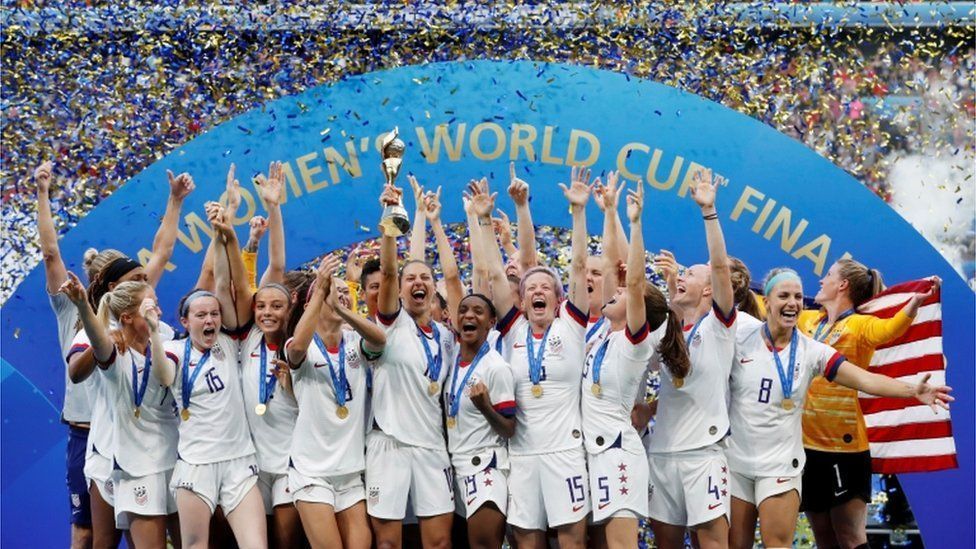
(906, 436)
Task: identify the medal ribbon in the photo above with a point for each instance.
(139, 387)
(340, 384)
(433, 363)
(189, 379)
(786, 382)
(596, 327)
(823, 324)
(266, 387)
(691, 334)
(535, 360)
(601, 353)
(456, 391)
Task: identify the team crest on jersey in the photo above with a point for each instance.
(142, 495)
(555, 344)
(374, 494)
(353, 359)
(109, 487)
(76, 500)
(217, 351)
(697, 339)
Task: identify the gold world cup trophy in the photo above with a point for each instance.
(394, 220)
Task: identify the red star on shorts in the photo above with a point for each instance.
(623, 478)
(622, 467)
(724, 470)
(624, 490)
(487, 482)
(487, 472)
(725, 480)
(724, 493)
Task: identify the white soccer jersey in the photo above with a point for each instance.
(78, 397)
(402, 404)
(551, 422)
(596, 331)
(606, 417)
(271, 431)
(767, 440)
(326, 445)
(101, 439)
(217, 428)
(696, 414)
(471, 436)
(144, 445)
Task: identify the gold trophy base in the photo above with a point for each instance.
(395, 221)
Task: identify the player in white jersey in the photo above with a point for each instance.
(406, 456)
(616, 366)
(328, 366)
(688, 468)
(216, 465)
(144, 431)
(480, 406)
(775, 363)
(544, 345)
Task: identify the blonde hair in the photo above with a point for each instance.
(862, 283)
(94, 261)
(125, 297)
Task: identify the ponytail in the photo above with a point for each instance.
(745, 300)
(104, 313)
(673, 351)
(862, 283)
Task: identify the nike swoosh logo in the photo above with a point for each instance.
(714, 506)
(254, 355)
(319, 365)
(744, 360)
(839, 493)
(518, 345)
(602, 505)
(783, 480)
(577, 508)
(470, 501)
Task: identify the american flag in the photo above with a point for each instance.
(906, 436)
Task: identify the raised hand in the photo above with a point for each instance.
(43, 177)
(258, 226)
(216, 217)
(432, 205)
(517, 188)
(607, 197)
(324, 273)
(478, 393)
(932, 395)
(579, 189)
(271, 187)
(635, 202)
(354, 263)
(666, 263)
(150, 312)
(482, 203)
(418, 192)
(74, 289)
(703, 188)
(936, 285)
(233, 191)
(391, 195)
(180, 186)
(502, 227)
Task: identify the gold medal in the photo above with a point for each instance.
(185, 414)
(537, 390)
(788, 404)
(596, 389)
(678, 382)
(451, 422)
(342, 412)
(260, 409)
(433, 388)
(136, 413)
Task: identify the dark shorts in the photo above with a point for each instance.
(834, 478)
(77, 485)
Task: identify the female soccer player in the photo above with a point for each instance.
(216, 465)
(329, 365)
(480, 407)
(774, 365)
(616, 365)
(837, 475)
(688, 468)
(406, 456)
(544, 345)
(145, 423)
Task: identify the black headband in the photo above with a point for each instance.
(117, 269)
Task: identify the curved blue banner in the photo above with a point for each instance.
(780, 204)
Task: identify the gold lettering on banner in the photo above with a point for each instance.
(523, 137)
(195, 224)
(625, 153)
(308, 171)
(145, 255)
(693, 168)
(350, 165)
(672, 176)
(291, 180)
(788, 237)
(432, 151)
(763, 215)
(816, 251)
(574, 138)
(250, 207)
(500, 141)
(745, 204)
(547, 156)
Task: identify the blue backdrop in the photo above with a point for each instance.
(780, 204)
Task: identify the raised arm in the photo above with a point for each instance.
(231, 286)
(374, 338)
(418, 232)
(162, 249)
(449, 266)
(851, 376)
(577, 195)
(388, 301)
(480, 276)
(636, 311)
(54, 270)
(97, 331)
(668, 266)
(503, 231)
(257, 226)
(481, 204)
(614, 242)
(163, 368)
(305, 329)
(519, 191)
(703, 192)
(271, 189)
